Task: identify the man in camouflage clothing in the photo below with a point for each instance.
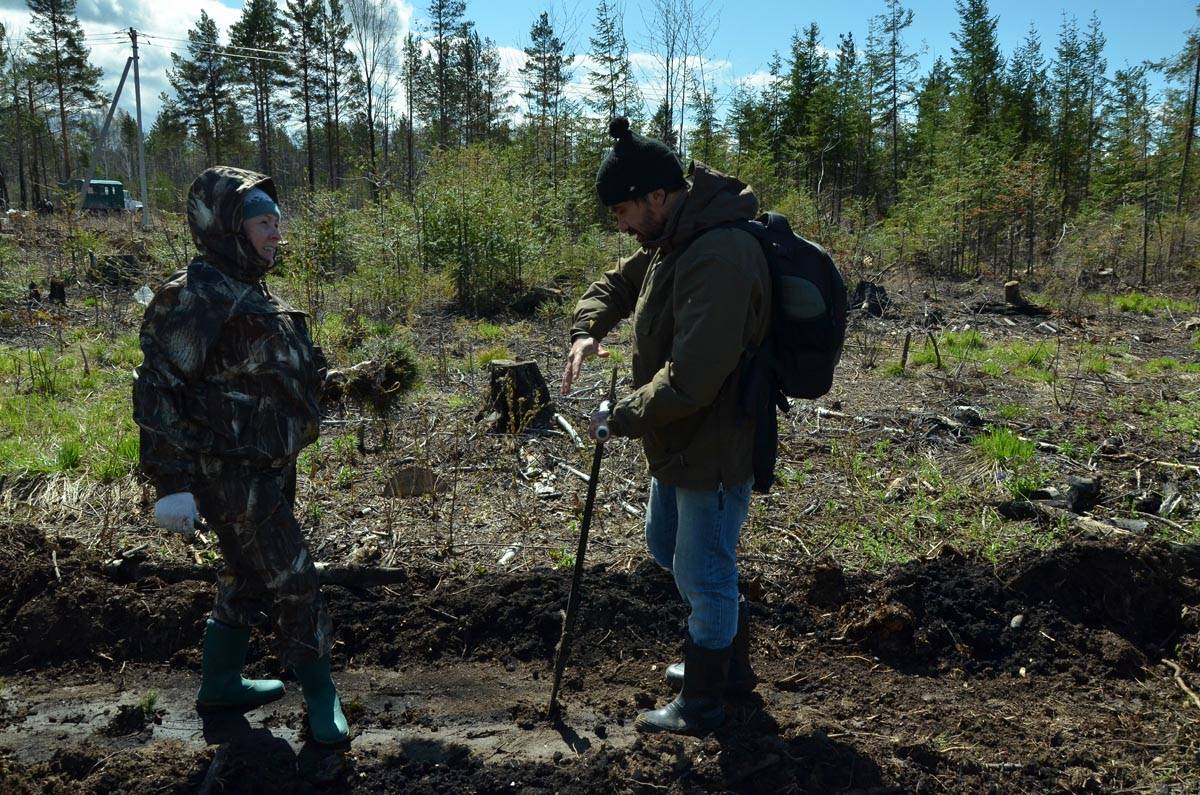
(227, 396)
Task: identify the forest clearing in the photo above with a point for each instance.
(937, 608)
(978, 568)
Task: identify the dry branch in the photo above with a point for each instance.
(1182, 684)
(563, 423)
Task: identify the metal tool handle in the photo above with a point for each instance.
(602, 432)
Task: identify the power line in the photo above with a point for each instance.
(223, 54)
(223, 46)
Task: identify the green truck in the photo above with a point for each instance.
(105, 195)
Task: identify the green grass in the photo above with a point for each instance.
(1012, 411)
(489, 332)
(1142, 304)
(1004, 447)
(489, 355)
(563, 559)
(58, 416)
(1181, 416)
(1030, 361)
(959, 344)
(1167, 364)
(149, 704)
(344, 477)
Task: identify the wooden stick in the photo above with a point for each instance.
(1182, 684)
(1176, 465)
(904, 350)
(565, 424)
(936, 353)
(581, 475)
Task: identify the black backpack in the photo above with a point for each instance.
(804, 344)
(808, 312)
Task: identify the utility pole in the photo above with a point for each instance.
(87, 183)
(137, 92)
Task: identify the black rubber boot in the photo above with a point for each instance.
(699, 708)
(742, 679)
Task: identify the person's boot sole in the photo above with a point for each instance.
(204, 707)
(647, 727)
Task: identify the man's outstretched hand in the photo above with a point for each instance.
(582, 349)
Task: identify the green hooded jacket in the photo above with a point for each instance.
(229, 370)
(700, 298)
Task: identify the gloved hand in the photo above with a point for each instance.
(177, 512)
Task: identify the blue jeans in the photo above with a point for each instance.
(694, 535)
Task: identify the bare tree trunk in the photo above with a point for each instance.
(1189, 133)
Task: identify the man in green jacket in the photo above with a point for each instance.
(699, 293)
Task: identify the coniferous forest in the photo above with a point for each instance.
(1013, 160)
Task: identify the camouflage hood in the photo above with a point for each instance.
(214, 216)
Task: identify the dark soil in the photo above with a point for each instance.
(917, 681)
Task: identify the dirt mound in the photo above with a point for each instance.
(1094, 610)
(1088, 608)
(165, 767)
(511, 617)
(74, 614)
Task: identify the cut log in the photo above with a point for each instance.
(518, 398)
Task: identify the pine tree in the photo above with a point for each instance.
(167, 147)
(614, 92)
(708, 141)
(850, 126)
(17, 125)
(1185, 66)
(807, 102)
(1026, 101)
(412, 75)
(6, 135)
(341, 81)
(58, 49)
(445, 21)
(1094, 67)
(201, 81)
(1071, 115)
(546, 73)
(662, 125)
(892, 67)
(977, 63)
(302, 22)
(933, 106)
(484, 93)
(262, 69)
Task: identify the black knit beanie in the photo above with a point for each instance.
(636, 166)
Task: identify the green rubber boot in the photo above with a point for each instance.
(325, 717)
(222, 685)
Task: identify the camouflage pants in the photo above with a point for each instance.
(268, 578)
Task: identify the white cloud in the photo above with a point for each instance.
(164, 27)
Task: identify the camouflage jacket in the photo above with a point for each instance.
(229, 370)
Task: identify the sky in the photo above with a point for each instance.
(741, 48)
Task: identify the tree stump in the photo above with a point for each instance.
(58, 292)
(518, 397)
(1012, 293)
